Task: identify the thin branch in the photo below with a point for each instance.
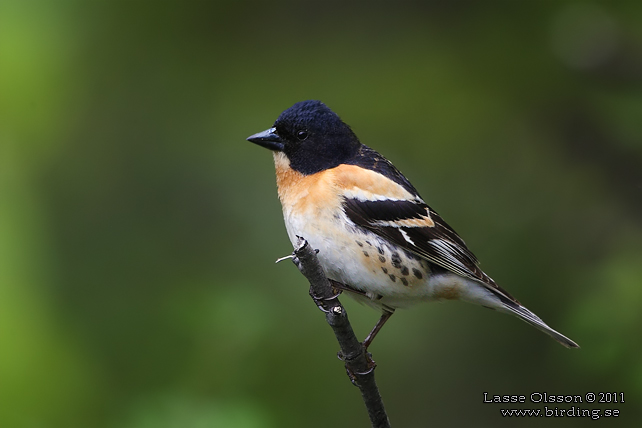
(358, 363)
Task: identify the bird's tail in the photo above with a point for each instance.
(526, 315)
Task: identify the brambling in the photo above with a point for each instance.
(376, 237)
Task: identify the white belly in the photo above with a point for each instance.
(364, 261)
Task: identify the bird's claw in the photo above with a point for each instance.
(321, 301)
(352, 374)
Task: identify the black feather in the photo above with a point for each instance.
(386, 210)
(370, 159)
(439, 244)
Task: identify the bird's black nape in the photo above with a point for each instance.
(314, 137)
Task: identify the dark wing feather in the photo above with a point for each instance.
(371, 159)
(439, 243)
(387, 210)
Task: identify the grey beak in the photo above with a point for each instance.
(268, 139)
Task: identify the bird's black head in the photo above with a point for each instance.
(312, 137)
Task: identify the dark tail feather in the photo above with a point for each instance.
(526, 315)
(513, 307)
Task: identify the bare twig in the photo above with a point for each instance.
(358, 363)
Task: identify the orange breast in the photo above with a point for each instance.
(324, 189)
(304, 194)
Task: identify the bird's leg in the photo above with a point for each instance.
(384, 317)
(340, 286)
(321, 302)
(337, 288)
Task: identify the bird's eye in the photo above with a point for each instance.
(302, 135)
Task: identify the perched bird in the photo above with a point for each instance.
(377, 238)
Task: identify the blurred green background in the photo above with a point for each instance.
(139, 230)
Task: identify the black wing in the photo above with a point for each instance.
(414, 226)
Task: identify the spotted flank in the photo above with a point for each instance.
(391, 266)
(412, 225)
